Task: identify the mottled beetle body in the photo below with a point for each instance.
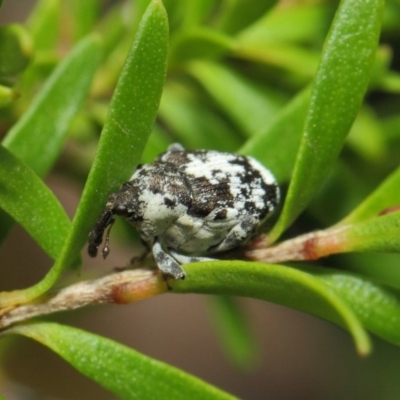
(189, 204)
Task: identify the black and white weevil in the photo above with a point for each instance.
(190, 204)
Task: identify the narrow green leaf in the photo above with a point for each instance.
(121, 370)
(277, 144)
(15, 49)
(238, 14)
(366, 137)
(299, 22)
(195, 12)
(184, 15)
(7, 95)
(129, 122)
(30, 202)
(379, 267)
(37, 138)
(391, 126)
(376, 305)
(276, 283)
(112, 28)
(277, 37)
(140, 7)
(199, 43)
(247, 104)
(85, 14)
(390, 82)
(234, 331)
(44, 24)
(301, 63)
(158, 142)
(387, 195)
(379, 234)
(338, 90)
(39, 135)
(325, 207)
(194, 123)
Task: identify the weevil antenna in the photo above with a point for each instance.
(106, 248)
(96, 234)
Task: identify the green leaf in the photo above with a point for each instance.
(379, 234)
(185, 15)
(233, 329)
(237, 14)
(338, 90)
(193, 123)
(387, 195)
(277, 144)
(301, 63)
(299, 22)
(195, 11)
(7, 96)
(121, 370)
(247, 104)
(366, 137)
(85, 14)
(30, 202)
(15, 49)
(199, 43)
(158, 142)
(129, 122)
(44, 24)
(38, 137)
(377, 306)
(276, 283)
(391, 126)
(112, 28)
(275, 38)
(390, 82)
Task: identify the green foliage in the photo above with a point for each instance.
(338, 89)
(385, 196)
(37, 139)
(139, 377)
(277, 283)
(231, 324)
(283, 84)
(22, 191)
(15, 50)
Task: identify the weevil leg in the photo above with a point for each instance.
(141, 257)
(238, 234)
(166, 263)
(185, 259)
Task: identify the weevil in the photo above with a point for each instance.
(188, 205)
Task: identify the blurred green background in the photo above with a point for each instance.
(264, 62)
